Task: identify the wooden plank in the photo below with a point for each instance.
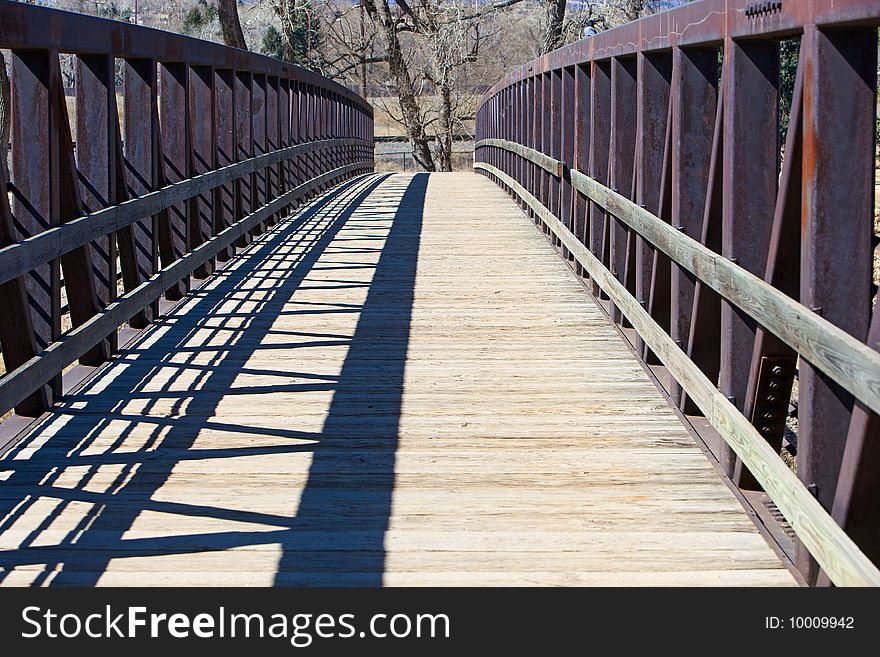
(352, 403)
(827, 542)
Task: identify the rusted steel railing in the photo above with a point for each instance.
(168, 155)
(737, 262)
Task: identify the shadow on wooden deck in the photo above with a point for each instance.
(357, 491)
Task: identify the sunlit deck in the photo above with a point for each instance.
(403, 385)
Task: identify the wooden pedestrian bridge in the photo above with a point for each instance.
(236, 355)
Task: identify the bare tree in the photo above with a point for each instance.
(623, 11)
(428, 48)
(230, 24)
(633, 9)
(554, 17)
(412, 117)
(286, 10)
(351, 44)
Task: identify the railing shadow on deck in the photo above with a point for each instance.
(352, 551)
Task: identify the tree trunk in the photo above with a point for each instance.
(285, 11)
(552, 39)
(633, 9)
(230, 25)
(5, 118)
(409, 106)
(447, 126)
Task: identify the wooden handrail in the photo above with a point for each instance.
(144, 178)
(21, 382)
(19, 258)
(852, 364)
(836, 552)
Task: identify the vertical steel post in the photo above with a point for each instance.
(840, 80)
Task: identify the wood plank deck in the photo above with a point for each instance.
(404, 386)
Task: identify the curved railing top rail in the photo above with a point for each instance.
(694, 24)
(30, 27)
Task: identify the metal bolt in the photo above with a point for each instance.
(774, 385)
(766, 430)
(772, 399)
(778, 370)
(769, 416)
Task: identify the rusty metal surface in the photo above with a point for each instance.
(224, 121)
(201, 156)
(95, 153)
(698, 23)
(175, 231)
(190, 109)
(653, 90)
(838, 170)
(621, 167)
(695, 92)
(659, 119)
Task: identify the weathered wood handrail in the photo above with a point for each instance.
(852, 364)
(835, 551)
(651, 155)
(201, 149)
(550, 165)
(37, 371)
